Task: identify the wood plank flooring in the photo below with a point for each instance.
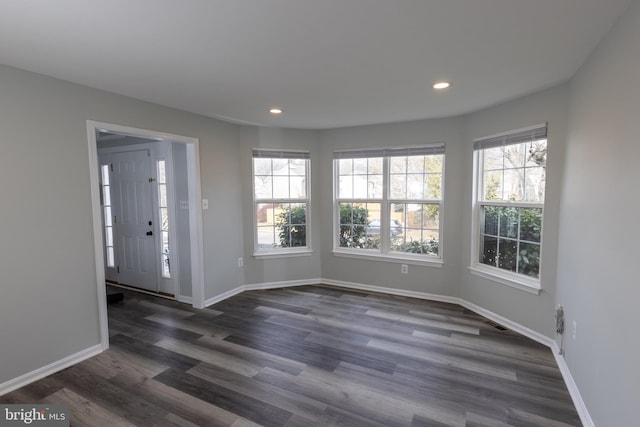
(308, 356)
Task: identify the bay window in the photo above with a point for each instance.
(281, 202)
(388, 202)
(509, 205)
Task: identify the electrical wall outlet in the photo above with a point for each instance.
(574, 329)
(205, 204)
(240, 262)
(404, 269)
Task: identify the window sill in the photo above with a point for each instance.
(283, 253)
(427, 261)
(531, 286)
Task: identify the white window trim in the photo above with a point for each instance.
(278, 252)
(374, 254)
(283, 252)
(514, 280)
(384, 253)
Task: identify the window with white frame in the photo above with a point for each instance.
(388, 202)
(281, 201)
(163, 216)
(107, 215)
(510, 189)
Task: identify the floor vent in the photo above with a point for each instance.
(497, 325)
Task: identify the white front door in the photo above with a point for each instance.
(134, 219)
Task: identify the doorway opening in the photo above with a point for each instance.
(145, 191)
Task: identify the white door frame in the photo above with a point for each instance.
(195, 213)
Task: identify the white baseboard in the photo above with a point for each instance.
(583, 412)
(514, 326)
(536, 336)
(260, 286)
(392, 291)
(50, 369)
(185, 300)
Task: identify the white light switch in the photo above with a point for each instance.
(205, 204)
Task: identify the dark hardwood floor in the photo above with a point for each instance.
(307, 356)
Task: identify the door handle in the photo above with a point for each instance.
(149, 233)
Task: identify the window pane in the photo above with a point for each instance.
(106, 194)
(162, 190)
(165, 266)
(262, 166)
(509, 222)
(264, 214)
(108, 236)
(164, 219)
(507, 254)
(535, 181)
(530, 224)
(263, 187)
(433, 164)
(537, 153)
(345, 167)
(358, 225)
(514, 156)
(493, 159)
(280, 166)
(360, 166)
(266, 237)
(375, 187)
(297, 188)
(105, 174)
(111, 259)
(491, 215)
(398, 186)
(375, 166)
(492, 185)
(298, 167)
(280, 187)
(360, 186)
(433, 186)
(415, 186)
(345, 187)
(162, 175)
(414, 228)
(398, 164)
(415, 164)
(488, 250)
(107, 217)
(529, 259)
(291, 221)
(165, 242)
(513, 186)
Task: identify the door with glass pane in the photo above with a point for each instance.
(133, 219)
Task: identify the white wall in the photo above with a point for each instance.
(599, 233)
(533, 311)
(48, 309)
(280, 269)
(183, 243)
(427, 279)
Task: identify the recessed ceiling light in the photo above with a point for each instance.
(441, 85)
(275, 111)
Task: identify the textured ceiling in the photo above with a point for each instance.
(327, 63)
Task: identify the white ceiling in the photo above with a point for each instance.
(327, 63)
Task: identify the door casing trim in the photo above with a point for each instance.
(195, 213)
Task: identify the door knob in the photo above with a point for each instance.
(149, 233)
